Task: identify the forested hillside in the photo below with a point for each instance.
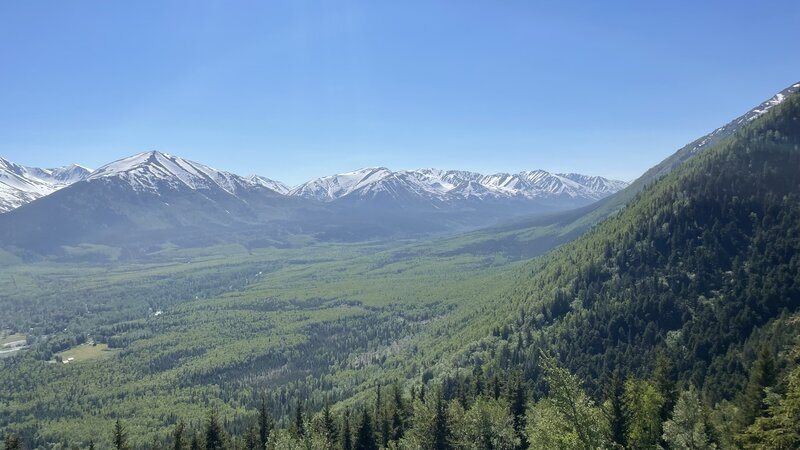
(696, 264)
(700, 271)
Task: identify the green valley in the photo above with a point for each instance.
(679, 311)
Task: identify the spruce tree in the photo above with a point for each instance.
(264, 423)
(365, 435)
(664, 380)
(517, 396)
(329, 424)
(618, 417)
(762, 375)
(120, 436)
(398, 415)
(299, 424)
(177, 436)
(347, 440)
(441, 427)
(381, 421)
(215, 435)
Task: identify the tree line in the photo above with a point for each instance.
(471, 413)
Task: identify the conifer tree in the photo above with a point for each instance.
(252, 440)
(299, 425)
(398, 415)
(496, 387)
(762, 375)
(155, 444)
(347, 440)
(13, 442)
(120, 436)
(664, 380)
(517, 396)
(779, 427)
(264, 423)
(329, 424)
(441, 427)
(215, 435)
(618, 417)
(381, 421)
(178, 436)
(365, 435)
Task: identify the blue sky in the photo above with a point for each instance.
(299, 89)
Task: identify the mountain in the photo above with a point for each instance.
(276, 186)
(535, 235)
(20, 185)
(151, 199)
(148, 199)
(444, 186)
(62, 176)
(157, 172)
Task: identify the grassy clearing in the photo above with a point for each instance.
(87, 352)
(5, 339)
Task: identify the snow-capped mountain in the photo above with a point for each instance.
(20, 185)
(275, 185)
(154, 198)
(451, 185)
(155, 171)
(61, 176)
(145, 201)
(336, 186)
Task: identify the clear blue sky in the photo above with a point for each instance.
(298, 89)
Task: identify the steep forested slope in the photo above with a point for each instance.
(694, 266)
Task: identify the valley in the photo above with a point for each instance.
(679, 293)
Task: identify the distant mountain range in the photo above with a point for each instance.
(154, 198)
(151, 199)
(453, 185)
(155, 171)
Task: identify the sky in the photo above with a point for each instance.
(294, 90)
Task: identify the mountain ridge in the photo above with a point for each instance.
(21, 184)
(445, 185)
(153, 170)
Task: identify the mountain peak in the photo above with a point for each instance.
(277, 186)
(154, 170)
